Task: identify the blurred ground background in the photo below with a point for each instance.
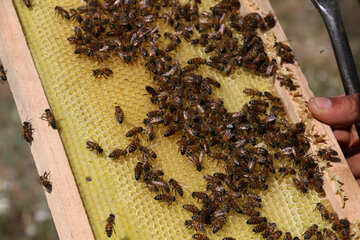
(23, 209)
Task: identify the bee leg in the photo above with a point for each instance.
(43, 117)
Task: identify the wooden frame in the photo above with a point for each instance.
(49, 155)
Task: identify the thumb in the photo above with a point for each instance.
(336, 111)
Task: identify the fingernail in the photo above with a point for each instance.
(323, 103)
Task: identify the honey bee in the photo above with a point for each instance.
(288, 236)
(196, 161)
(28, 131)
(330, 234)
(218, 156)
(272, 97)
(79, 49)
(310, 231)
(201, 41)
(75, 15)
(167, 119)
(252, 196)
(134, 144)
(148, 151)
(45, 182)
(199, 236)
(299, 185)
(328, 154)
(218, 223)
(119, 114)
(252, 92)
(172, 130)
(106, 72)
(27, 3)
(117, 153)
(2, 73)
(109, 227)
(270, 20)
(287, 82)
(191, 208)
(138, 170)
(261, 227)
(285, 52)
(150, 132)
(154, 174)
(271, 68)
(249, 212)
(256, 220)
(151, 91)
(269, 230)
(287, 171)
(275, 235)
(171, 46)
(162, 184)
(201, 196)
(210, 47)
(134, 131)
(229, 67)
(319, 236)
(49, 117)
(156, 113)
(195, 224)
(62, 12)
(339, 224)
(176, 186)
(197, 61)
(168, 18)
(94, 146)
(182, 145)
(227, 135)
(165, 198)
(323, 211)
(253, 205)
(151, 185)
(75, 41)
(189, 68)
(345, 233)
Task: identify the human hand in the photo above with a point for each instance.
(341, 113)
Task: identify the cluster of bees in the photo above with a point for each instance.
(247, 142)
(144, 170)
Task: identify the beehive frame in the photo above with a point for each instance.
(66, 206)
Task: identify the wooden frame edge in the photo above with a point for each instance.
(66, 206)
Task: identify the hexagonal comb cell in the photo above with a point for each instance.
(85, 106)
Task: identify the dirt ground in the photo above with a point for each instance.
(23, 209)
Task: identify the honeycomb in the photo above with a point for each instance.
(85, 109)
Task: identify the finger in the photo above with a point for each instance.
(346, 137)
(355, 140)
(354, 165)
(341, 110)
(349, 152)
(343, 137)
